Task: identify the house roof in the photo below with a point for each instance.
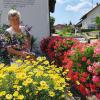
(84, 16)
(59, 26)
(79, 24)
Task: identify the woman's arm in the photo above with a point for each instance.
(16, 52)
(10, 49)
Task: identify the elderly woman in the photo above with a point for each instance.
(18, 40)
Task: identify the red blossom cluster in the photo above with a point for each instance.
(81, 59)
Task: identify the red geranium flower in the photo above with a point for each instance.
(82, 89)
(83, 80)
(93, 87)
(75, 77)
(85, 74)
(84, 59)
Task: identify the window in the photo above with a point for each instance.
(91, 26)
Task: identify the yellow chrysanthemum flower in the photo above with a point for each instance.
(20, 97)
(19, 61)
(15, 86)
(43, 85)
(51, 93)
(18, 88)
(9, 96)
(70, 94)
(39, 73)
(21, 76)
(29, 80)
(39, 59)
(27, 91)
(15, 94)
(25, 83)
(41, 67)
(36, 92)
(1, 66)
(46, 62)
(2, 93)
(35, 83)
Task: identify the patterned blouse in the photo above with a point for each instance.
(18, 41)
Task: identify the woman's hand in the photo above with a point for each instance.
(16, 52)
(24, 54)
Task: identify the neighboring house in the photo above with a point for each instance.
(88, 20)
(59, 26)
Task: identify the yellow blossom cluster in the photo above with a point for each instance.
(35, 80)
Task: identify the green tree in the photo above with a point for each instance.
(52, 21)
(97, 20)
(70, 23)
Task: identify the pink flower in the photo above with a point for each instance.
(87, 91)
(96, 79)
(79, 65)
(97, 50)
(88, 62)
(90, 69)
(98, 96)
(94, 55)
(96, 66)
(84, 59)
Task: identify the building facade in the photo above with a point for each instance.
(88, 20)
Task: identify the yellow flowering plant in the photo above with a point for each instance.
(32, 80)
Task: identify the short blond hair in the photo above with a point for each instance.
(13, 12)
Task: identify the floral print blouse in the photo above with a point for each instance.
(18, 41)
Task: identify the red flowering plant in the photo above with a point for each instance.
(84, 69)
(44, 44)
(80, 62)
(57, 47)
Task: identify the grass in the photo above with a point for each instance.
(65, 34)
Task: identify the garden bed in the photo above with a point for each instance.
(81, 63)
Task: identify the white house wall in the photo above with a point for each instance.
(90, 18)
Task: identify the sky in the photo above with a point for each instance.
(71, 10)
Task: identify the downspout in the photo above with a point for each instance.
(49, 18)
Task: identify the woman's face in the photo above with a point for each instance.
(14, 21)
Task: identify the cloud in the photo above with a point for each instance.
(83, 4)
(61, 1)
